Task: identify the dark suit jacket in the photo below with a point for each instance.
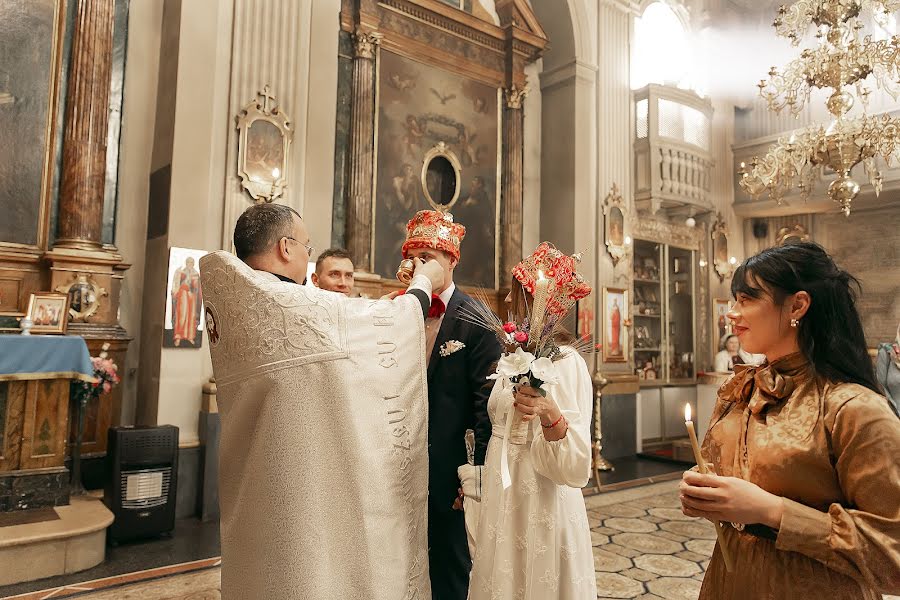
(457, 400)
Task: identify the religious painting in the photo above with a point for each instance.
(422, 108)
(48, 312)
(721, 325)
(721, 261)
(584, 317)
(615, 325)
(30, 47)
(184, 300)
(614, 209)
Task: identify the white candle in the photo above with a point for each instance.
(541, 290)
(701, 465)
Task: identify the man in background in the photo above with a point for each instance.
(334, 271)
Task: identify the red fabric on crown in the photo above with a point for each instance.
(435, 230)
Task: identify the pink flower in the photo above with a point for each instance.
(509, 327)
(521, 337)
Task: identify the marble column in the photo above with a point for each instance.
(513, 175)
(614, 122)
(362, 147)
(84, 142)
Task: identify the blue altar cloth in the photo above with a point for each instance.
(25, 357)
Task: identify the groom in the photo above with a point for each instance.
(460, 356)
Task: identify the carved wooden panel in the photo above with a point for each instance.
(12, 409)
(46, 419)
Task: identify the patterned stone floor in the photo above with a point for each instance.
(644, 548)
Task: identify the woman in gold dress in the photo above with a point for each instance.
(804, 447)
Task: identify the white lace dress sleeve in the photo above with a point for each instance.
(568, 461)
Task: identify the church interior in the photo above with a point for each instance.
(654, 138)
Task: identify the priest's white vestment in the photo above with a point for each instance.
(323, 466)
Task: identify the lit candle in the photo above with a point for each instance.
(541, 289)
(276, 173)
(701, 465)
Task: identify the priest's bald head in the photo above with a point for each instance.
(273, 238)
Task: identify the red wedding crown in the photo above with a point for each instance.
(546, 260)
(436, 230)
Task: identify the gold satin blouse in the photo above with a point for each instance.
(832, 451)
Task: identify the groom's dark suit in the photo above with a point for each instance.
(457, 400)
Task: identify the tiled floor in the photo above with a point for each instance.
(643, 548)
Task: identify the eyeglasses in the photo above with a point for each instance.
(309, 249)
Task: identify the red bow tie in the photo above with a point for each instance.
(437, 307)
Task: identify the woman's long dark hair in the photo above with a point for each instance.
(830, 334)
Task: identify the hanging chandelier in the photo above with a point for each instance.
(844, 61)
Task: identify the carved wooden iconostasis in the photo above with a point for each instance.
(60, 95)
(435, 121)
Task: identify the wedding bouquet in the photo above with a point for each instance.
(106, 372)
(529, 345)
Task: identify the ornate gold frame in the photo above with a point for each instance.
(64, 316)
(716, 338)
(265, 110)
(49, 166)
(441, 150)
(614, 201)
(797, 232)
(723, 268)
(90, 307)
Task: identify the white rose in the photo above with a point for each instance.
(510, 365)
(545, 370)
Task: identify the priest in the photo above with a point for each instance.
(323, 469)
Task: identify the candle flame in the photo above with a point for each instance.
(541, 275)
(687, 413)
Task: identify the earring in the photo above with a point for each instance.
(795, 322)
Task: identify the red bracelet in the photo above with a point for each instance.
(554, 424)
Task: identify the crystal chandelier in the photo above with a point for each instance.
(842, 61)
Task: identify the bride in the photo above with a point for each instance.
(533, 540)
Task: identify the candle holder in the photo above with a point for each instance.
(600, 463)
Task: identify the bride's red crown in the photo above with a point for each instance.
(553, 264)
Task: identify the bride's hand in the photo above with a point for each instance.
(531, 403)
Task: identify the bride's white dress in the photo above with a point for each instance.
(533, 540)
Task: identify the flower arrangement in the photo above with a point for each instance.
(106, 372)
(529, 345)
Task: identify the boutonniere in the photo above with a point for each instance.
(450, 347)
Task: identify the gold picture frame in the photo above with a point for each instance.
(441, 158)
(721, 324)
(616, 321)
(614, 225)
(721, 260)
(264, 146)
(84, 296)
(49, 312)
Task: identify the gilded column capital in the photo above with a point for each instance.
(365, 43)
(516, 95)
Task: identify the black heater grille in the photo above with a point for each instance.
(141, 492)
